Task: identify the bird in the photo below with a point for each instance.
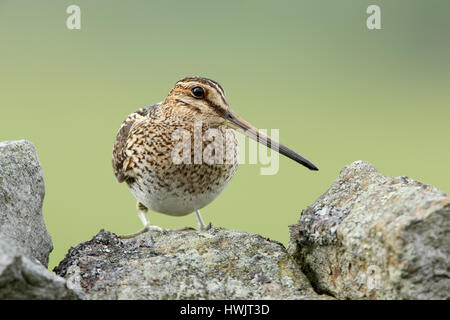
(166, 172)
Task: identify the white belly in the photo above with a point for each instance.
(175, 204)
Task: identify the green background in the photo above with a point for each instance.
(337, 92)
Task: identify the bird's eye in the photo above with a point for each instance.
(198, 92)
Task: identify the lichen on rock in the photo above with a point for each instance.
(217, 264)
(375, 237)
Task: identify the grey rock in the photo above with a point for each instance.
(25, 243)
(21, 278)
(217, 264)
(375, 237)
(21, 195)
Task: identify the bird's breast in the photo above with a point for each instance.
(175, 173)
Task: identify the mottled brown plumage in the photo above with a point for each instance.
(152, 141)
(119, 155)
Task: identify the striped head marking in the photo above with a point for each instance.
(202, 98)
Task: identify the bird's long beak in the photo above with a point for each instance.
(236, 122)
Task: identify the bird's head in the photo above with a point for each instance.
(203, 99)
(199, 99)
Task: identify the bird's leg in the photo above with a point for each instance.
(201, 224)
(142, 213)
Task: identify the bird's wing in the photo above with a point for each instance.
(119, 155)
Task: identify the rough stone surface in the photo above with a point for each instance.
(367, 237)
(21, 196)
(217, 264)
(21, 278)
(375, 237)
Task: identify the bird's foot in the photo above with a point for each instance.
(205, 228)
(200, 223)
(146, 229)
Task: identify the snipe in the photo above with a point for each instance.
(148, 143)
